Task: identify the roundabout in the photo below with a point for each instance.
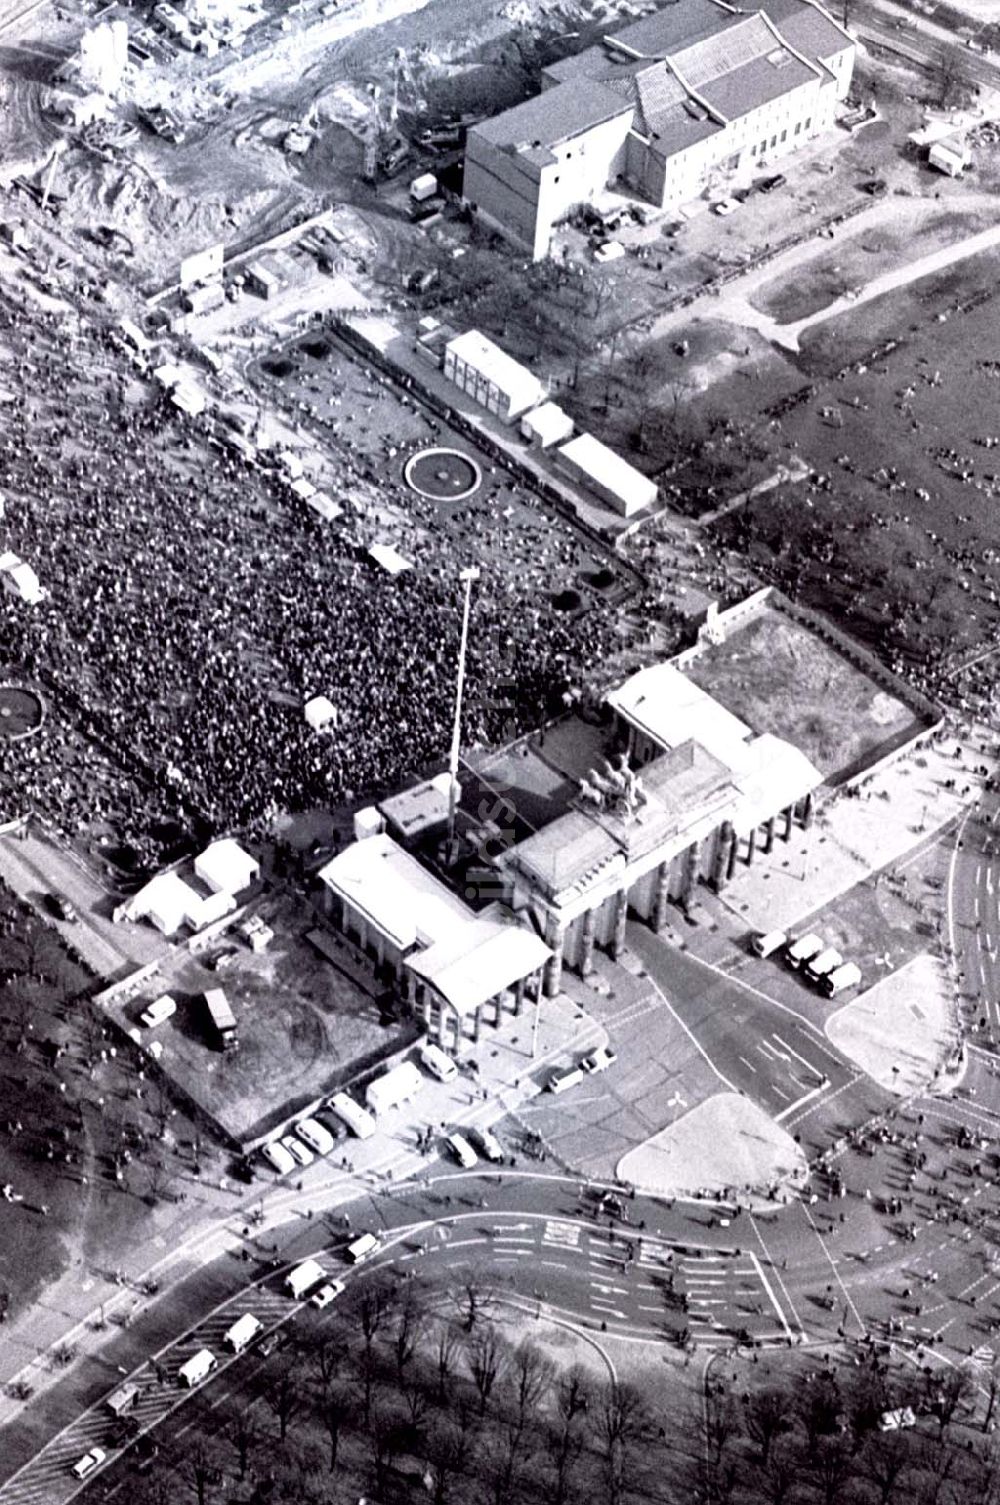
(22, 712)
(442, 475)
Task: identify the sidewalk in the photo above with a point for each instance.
(900, 808)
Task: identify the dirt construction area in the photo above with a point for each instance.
(303, 1023)
(779, 677)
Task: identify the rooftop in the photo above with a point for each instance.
(671, 709)
(554, 116)
(495, 364)
(482, 959)
(404, 900)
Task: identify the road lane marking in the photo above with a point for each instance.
(801, 1059)
(833, 1266)
(747, 1064)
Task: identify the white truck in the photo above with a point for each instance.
(300, 1281)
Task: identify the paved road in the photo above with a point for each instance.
(35, 868)
(778, 1056)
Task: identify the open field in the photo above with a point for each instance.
(779, 677)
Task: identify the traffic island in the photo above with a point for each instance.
(902, 1031)
(725, 1148)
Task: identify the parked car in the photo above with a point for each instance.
(89, 1462)
(326, 1294)
(269, 1345)
(770, 184)
(487, 1144)
(278, 1156)
(598, 1060)
(298, 1150)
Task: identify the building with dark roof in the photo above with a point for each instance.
(656, 108)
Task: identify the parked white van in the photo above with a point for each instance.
(847, 976)
(243, 1332)
(197, 1369)
(315, 1136)
(827, 961)
(363, 1248)
(768, 942)
(462, 1151)
(803, 950)
(434, 1060)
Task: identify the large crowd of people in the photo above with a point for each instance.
(193, 606)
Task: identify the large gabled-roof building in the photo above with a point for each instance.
(656, 107)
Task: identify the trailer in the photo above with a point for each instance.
(222, 1017)
(300, 1281)
(357, 1119)
(393, 1088)
(124, 1399)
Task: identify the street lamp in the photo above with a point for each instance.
(467, 576)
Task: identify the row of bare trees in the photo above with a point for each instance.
(409, 1394)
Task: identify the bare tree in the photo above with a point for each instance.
(765, 1414)
(242, 1427)
(285, 1398)
(818, 1407)
(201, 1467)
(374, 1305)
(831, 1467)
(411, 1322)
(780, 1474)
(336, 1413)
(621, 1419)
(532, 1374)
(478, 1296)
(448, 1453)
(955, 1389)
(446, 1351)
(565, 1439)
(885, 1462)
(992, 1393)
(487, 1358)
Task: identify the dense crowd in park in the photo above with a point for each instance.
(193, 606)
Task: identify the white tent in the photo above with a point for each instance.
(225, 868)
(167, 902)
(320, 711)
(20, 579)
(389, 558)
